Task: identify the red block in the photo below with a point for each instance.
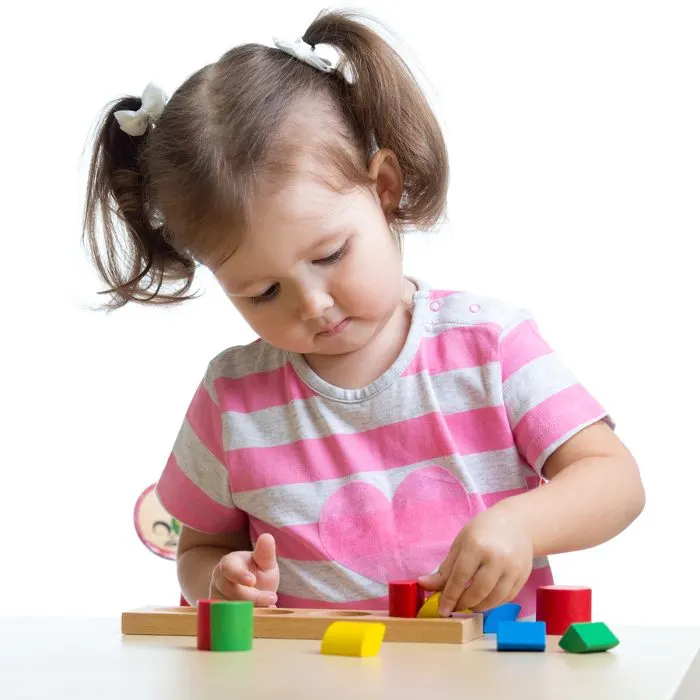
(560, 606)
(204, 625)
(405, 598)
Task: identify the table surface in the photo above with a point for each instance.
(64, 657)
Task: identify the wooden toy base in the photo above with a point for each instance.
(283, 623)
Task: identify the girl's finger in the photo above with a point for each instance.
(517, 587)
(264, 554)
(464, 568)
(500, 593)
(223, 586)
(437, 580)
(235, 591)
(261, 599)
(483, 582)
(233, 569)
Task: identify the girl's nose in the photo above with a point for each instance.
(314, 302)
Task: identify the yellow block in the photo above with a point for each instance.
(353, 638)
(431, 607)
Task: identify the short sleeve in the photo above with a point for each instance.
(194, 486)
(545, 403)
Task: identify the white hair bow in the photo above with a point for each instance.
(304, 52)
(136, 122)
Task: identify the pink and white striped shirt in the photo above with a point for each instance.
(361, 487)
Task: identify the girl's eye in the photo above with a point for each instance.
(333, 258)
(267, 295)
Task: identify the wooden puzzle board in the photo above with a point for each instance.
(283, 623)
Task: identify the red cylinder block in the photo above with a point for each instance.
(204, 625)
(560, 606)
(405, 598)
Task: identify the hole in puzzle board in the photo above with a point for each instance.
(347, 613)
(274, 611)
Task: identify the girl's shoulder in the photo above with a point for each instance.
(465, 307)
(240, 361)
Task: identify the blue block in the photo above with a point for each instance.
(508, 612)
(521, 636)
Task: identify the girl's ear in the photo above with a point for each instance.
(385, 172)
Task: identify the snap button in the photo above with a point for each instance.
(435, 305)
(474, 308)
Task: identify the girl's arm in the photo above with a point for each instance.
(593, 492)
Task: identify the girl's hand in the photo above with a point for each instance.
(487, 565)
(248, 575)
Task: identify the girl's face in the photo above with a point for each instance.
(319, 272)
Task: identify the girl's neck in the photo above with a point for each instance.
(360, 368)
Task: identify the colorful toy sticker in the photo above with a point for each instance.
(156, 528)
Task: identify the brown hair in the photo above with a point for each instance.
(178, 190)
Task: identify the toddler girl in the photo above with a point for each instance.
(379, 428)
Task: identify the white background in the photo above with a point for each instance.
(574, 135)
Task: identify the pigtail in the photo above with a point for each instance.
(138, 266)
(389, 110)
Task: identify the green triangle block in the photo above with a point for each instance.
(587, 637)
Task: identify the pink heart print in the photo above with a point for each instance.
(401, 539)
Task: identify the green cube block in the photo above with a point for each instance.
(231, 625)
(587, 637)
